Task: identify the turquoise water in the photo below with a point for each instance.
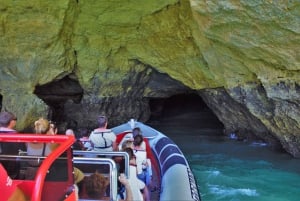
(245, 173)
(229, 170)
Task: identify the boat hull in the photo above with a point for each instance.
(176, 179)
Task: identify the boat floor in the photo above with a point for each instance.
(154, 187)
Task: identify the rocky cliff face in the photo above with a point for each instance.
(71, 60)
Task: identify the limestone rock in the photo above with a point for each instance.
(75, 59)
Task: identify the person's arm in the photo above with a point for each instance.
(125, 182)
(115, 146)
(113, 138)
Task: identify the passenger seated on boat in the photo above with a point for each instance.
(7, 123)
(9, 188)
(77, 145)
(126, 139)
(144, 169)
(139, 189)
(102, 138)
(130, 136)
(137, 131)
(78, 180)
(41, 126)
(95, 186)
(127, 144)
(84, 138)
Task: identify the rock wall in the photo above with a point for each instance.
(252, 50)
(75, 59)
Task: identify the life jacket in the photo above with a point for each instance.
(107, 143)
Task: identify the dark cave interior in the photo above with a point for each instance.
(56, 93)
(187, 108)
(190, 107)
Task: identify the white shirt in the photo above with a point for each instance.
(36, 149)
(136, 184)
(141, 160)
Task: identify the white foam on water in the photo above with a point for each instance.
(228, 191)
(259, 144)
(212, 173)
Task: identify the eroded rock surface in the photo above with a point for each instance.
(74, 59)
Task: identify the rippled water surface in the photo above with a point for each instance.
(229, 170)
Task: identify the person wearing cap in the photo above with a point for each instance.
(7, 124)
(78, 180)
(9, 188)
(103, 139)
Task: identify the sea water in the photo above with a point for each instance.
(231, 170)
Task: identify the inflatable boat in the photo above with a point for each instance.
(173, 173)
(55, 177)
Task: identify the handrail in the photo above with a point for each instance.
(65, 143)
(107, 153)
(29, 137)
(113, 175)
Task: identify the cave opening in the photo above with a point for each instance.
(187, 109)
(56, 93)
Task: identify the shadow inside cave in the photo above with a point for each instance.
(185, 109)
(188, 110)
(56, 93)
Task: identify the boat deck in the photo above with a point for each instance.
(169, 166)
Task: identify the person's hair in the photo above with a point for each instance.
(95, 185)
(129, 151)
(83, 132)
(102, 120)
(127, 143)
(136, 131)
(41, 126)
(138, 139)
(6, 117)
(131, 155)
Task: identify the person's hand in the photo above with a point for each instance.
(123, 180)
